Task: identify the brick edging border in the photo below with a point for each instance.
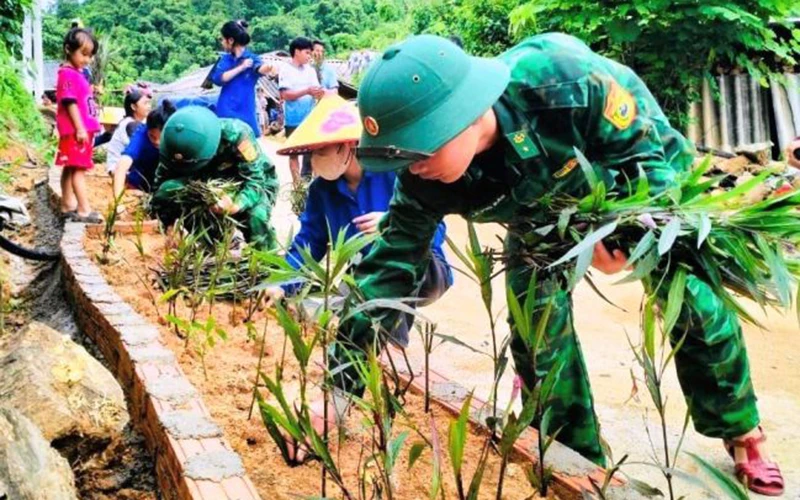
(193, 460)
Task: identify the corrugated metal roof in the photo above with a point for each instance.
(747, 113)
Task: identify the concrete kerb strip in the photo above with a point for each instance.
(129, 341)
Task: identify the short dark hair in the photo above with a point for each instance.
(237, 30)
(159, 116)
(300, 43)
(76, 37)
(318, 42)
(456, 40)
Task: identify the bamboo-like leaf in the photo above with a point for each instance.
(641, 249)
(563, 220)
(649, 328)
(436, 480)
(669, 235)
(415, 453)
(644, 489)
(586, 167)
(273, 428)
(456, 341)
(319, 446)
(393, 450)
(704, 230)
(589, 241)
(779, 272)
(457, 437)
(463, 258)
(674, 300)
(379, 304)
(734, 193)
(727, 484)
(521, 321)
(477, 477)
(170, 294)
(581, 267)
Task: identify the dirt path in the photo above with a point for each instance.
(774, 357)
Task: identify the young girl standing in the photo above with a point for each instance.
(238, 72)
(76, 120)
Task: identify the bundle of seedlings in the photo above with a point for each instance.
(297, 196)
(197, 198)
(736, 246)
(237, 281)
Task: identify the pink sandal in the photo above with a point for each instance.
(757, 475)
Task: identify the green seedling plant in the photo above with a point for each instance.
(457, 440)
(175, 267)
(428, 333)
(203, 336)
(138, 228)
(481, 264)
(530, 322)
(109, 230)
(386, 445)
(220, 267)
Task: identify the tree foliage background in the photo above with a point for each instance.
(671, 44)
(20, 122)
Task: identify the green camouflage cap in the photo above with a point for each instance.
(190, 138)
(418, 96)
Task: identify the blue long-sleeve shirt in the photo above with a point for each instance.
(332, 203)
(237, 99)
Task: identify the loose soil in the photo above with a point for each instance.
(227, 391)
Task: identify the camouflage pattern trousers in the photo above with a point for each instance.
(256, 226)
(712, 363)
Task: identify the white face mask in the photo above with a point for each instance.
(331, 162)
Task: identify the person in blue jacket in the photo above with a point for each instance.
(238, 72)
(137, 164)
(345, 197)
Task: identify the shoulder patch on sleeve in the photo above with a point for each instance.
(620, 107)
(247, 149)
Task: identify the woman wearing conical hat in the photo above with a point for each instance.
(344, 196)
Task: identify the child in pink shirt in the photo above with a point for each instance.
(76, 121)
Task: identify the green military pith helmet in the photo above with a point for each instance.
(418, 96)
(190, 138)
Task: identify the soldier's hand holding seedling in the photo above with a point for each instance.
(225, 205)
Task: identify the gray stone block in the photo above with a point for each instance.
(214, 466)
(190, 424)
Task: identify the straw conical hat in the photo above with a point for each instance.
(332, 121)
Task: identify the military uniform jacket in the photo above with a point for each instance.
(239, 158)
(561, 96)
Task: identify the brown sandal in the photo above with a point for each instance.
(757, 475)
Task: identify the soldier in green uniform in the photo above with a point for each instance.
(492, 140)
(196, 145)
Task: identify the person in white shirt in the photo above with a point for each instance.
(300, 90)
(137, 105)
